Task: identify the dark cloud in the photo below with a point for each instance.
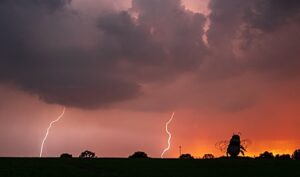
(42, 50)
(158, 44)
(50, 50)
(272, 30)
(257, 36)
(47, 4)
(38, 57)
(268, 15)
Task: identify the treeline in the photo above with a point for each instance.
(140, 154)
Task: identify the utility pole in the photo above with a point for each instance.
(180, 150)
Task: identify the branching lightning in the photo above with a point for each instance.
(170, 136)
(48, 129)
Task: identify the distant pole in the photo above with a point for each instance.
(180, 150)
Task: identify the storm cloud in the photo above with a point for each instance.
(51, 50)
(255, 36)
(41, 51)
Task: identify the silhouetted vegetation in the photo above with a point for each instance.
(66, 155)
(283, 157)
(87, 154)
(186, 156)
(235, 148)
(208, 156)
(139, 154)
(296, 154)
(266, 155)
(118, 167)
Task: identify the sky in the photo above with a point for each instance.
(122, 67)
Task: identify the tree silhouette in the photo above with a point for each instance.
(186, 156)
(235, 148)
(87, 154)
(266, 155)
(208, 156)
(283, 157)
(296, 154)
(138, 154)
(66, 155)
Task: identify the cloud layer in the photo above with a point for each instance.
(53, 51)
(41, 50)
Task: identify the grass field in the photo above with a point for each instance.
(54, 167)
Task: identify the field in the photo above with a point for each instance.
(55, 167)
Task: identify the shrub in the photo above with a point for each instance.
(87, 154)
(66, 155)
(283, 157)
(186, 156)
(208, 156)
(296, 154)
(139, 154)
(266, 155)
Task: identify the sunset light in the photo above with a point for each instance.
(229, 69)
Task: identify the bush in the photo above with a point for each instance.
(296, 154)
(208, 156)
(283, 157)
(186, 156)
(138, 154)
(266, 155)
(66, 155)
(87, 154)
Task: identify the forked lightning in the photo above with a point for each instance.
(48, 129)
(170, 136)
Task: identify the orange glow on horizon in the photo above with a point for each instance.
(276, 147)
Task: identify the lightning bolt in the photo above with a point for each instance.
(48, 129)
(170, 136)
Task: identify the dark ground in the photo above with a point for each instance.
(54, 167)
